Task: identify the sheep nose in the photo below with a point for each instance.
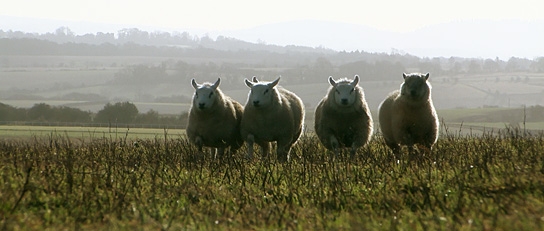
(344, 101)
(413, 92)
(201, 105)
(256, 103)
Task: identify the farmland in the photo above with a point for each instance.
(484, 182)
(88, 82)
(485, 173)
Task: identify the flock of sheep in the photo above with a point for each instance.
(342, 118)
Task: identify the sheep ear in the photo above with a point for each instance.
(274, 83)
(404, 75)
(248, 83)
(254, 79)
(216, 84)
(332, 82)
(355, 81)
(193, 82)
(426, 76)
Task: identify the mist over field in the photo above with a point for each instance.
(152, 69)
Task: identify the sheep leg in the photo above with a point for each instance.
(408, 140)
(393, 146)
(353, 150)
(198, 143)
(250, 140)
(334, 145)
(282, 152)
(233, 150)
(220, 153)
(265, 148)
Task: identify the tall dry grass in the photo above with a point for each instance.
(493, 181)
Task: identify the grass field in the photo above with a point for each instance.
(62, 76)
(483, 182)
(86, 133)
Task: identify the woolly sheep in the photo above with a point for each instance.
(271, 113)
(214, 119)
(407, 116)
(342, 117)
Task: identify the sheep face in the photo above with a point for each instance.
(262, 94)
(205, 94)
(345, 93)
(415, 86)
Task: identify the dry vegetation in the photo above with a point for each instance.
(488, 182)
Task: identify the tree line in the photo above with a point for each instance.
(302, 64)
(112, 113)
(135, 42)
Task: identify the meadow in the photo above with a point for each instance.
(24, 132)
(491, 181)
(54, 79)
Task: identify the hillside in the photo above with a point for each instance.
(469, 39)
(85, 72)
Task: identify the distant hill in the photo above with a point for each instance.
(467, 39)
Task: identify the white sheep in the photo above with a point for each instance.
(407, 116)
(342, 117)
(214, 119)
(271, 113)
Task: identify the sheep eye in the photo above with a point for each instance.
(353, 89)
(196, 95)
(337, 91)
(211, 93)
(265, 91)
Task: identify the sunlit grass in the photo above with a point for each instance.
(487, 182)
(87, 133)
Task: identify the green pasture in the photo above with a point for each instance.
(465, 183)
(501, 125)
(54, 81)
(460, 113)
(86, 133)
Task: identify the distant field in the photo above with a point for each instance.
(50, 77)
(85, 133)
(536, 126)
(47, 82)
(459, 113)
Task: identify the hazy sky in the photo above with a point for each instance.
(390, 15)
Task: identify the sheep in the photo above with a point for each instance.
(214, 119)
(271, 113)
(342, 117)
(407, 116)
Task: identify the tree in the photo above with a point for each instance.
(432, 67)
(40, 111)
(490, 66)
(64, 31)
(10, 113)
(323, 64)
(120, 112)
(150, 117)
(45, 112)
(538, 66)
(474, 66)
(68, 114)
